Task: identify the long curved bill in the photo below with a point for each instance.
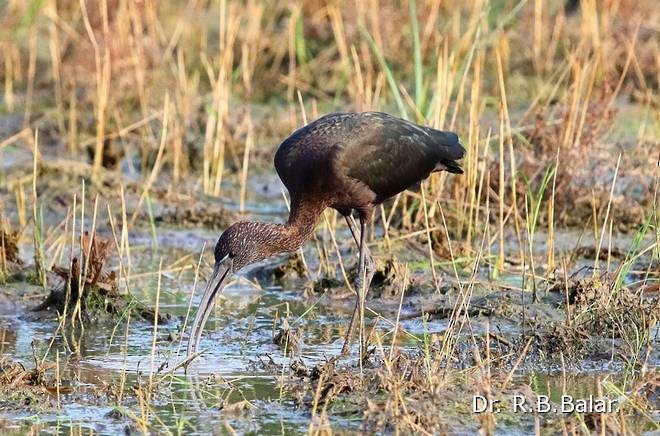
(216, 283)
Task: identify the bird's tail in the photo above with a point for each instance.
(450, 166)
(448, 149)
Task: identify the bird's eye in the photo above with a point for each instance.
(231, 255)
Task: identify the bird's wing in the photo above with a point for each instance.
(389, 154)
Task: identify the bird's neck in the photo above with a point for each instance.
(289, 237)
(303, 217)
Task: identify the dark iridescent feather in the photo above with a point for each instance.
(386, 154)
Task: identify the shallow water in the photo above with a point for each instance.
(237, 339)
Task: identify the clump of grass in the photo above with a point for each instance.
(439, 242)
(9, 247)
(14, 374)
(9, 255)
(27, 387)
(81, 282)
(88, 290)
(288, 338)
(318, 386)
(390, 278)
(597, 310)
(326, 284)
(294, 265)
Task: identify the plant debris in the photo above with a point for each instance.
(287, 338)
(9, 256)
(294, 265)
(391, 277)
(20, 383)
(92, 290)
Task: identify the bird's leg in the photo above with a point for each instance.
(369, 263)
(349, 333)
(353, 228)
(362, 291)
(365, 275)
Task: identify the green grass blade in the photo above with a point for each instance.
(536, 200)
(632, 254)
(301, 49)
(388, 73)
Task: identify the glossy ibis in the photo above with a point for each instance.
(347, 161)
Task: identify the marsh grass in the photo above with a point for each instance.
(191, 97)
